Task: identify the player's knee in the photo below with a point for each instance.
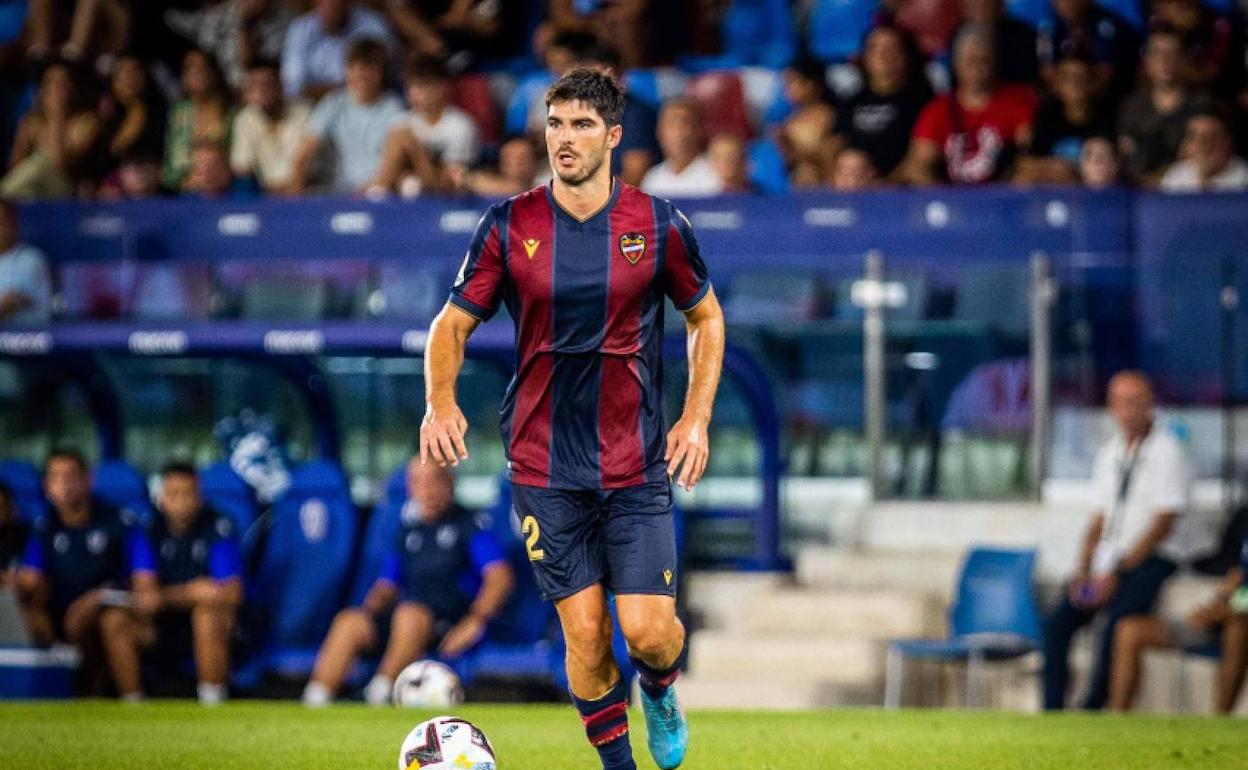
(409, 614)
(114, 623)
(588, 636)
(648, 641)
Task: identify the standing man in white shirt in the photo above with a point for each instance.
(686, 171)
(1141, 479)
(25, 286)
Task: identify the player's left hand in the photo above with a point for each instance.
(462, 636)
(688, 448)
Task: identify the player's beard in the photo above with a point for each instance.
(589, 170)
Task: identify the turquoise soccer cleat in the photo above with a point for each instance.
(667, 729)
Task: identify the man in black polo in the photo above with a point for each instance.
(88, 577)
(200, 569)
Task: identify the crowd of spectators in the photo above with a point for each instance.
(240, 98)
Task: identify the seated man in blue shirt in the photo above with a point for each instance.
(200, 568)
(88, 577)
(449, 577)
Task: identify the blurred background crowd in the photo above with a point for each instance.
(112, 99)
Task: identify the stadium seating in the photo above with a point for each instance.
(1129, 10)
(753, 32)
(119, 484)
(720, 97)
(471, 93)
(304, 568)
(993, 618)
(169, 291)
(25, 484)
(767, 171)
(226, 492)
(836, 28)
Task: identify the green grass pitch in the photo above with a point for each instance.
(183, 736)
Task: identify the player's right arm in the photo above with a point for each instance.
(442, 431)
(475, 297)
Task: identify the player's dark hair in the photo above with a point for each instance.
(177, 468)
(428, 68)
(592, 86)
(366, 50)
(72, 454)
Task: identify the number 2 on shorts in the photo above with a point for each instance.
(532, 532)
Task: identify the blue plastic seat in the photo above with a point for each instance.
(760, 32)
(837, 27)
(767, 171)
(1129, 10)
(119, 484)
(380, 535)
(1033, 12)
(304, 571)
(993, 618)
(25, 484)
(226, 492)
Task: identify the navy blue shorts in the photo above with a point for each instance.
(623, 538)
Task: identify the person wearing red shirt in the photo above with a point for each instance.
(970, 135)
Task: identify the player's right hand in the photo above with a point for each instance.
(442, 436)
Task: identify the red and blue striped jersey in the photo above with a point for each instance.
(585, 407)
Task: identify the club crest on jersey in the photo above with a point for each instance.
(530, 246)
(633, 247)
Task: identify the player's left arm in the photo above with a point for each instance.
(688, 445)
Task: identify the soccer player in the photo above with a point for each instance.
(583, 265)
(446, 579)
(71, 583)
(200, 567)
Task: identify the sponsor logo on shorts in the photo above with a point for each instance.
(667, 576)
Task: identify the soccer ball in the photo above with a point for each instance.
(446, 743)
(427, 684)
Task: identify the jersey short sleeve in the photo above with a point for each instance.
(685, 278)
(484, 549)
(391, 568)
(140, 556)
(34, 557)
(478, 289)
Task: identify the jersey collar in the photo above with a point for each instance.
(567, 215)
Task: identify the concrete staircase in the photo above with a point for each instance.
(767, 642)
(819, 638)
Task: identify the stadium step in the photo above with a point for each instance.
(757, 692)
(930, 573)
(844, 613)
(810, 660)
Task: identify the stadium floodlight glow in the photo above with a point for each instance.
(867, 294)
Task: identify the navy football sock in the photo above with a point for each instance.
(606, 727)
(655, 681)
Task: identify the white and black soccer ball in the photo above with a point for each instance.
(427, 684)
(446, 743)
